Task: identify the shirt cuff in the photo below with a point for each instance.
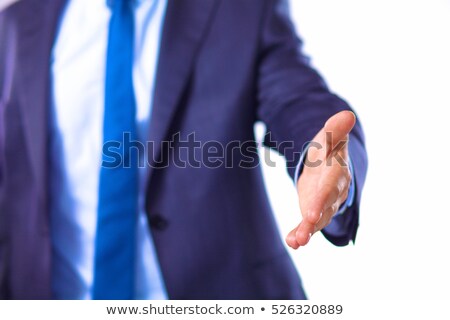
(351, 192)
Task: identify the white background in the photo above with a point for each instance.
(5, 3)
(391, 60)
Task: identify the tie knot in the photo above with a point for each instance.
(119, 3)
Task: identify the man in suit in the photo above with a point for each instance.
(76, 76)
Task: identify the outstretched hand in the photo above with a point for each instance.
(324, 183)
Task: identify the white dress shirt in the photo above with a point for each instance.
(78, 76)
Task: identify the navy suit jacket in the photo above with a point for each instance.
(223, 65)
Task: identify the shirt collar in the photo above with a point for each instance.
(135, 3)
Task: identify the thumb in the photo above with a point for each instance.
(340, 126)
(335, 130)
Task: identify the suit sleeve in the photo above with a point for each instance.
(3, 49)
(2, 72)
(294, 102)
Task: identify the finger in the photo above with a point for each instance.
(291, 239)
(304, 232)
(344, 186)
(327, 195)
(343, 197)
(327, 217)
(300, 235)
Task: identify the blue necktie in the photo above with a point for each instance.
(118, 190)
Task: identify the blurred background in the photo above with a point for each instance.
(391, 61)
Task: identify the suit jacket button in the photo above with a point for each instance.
(157, 222)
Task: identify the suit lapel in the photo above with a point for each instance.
(184, 27)
(36, 29)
